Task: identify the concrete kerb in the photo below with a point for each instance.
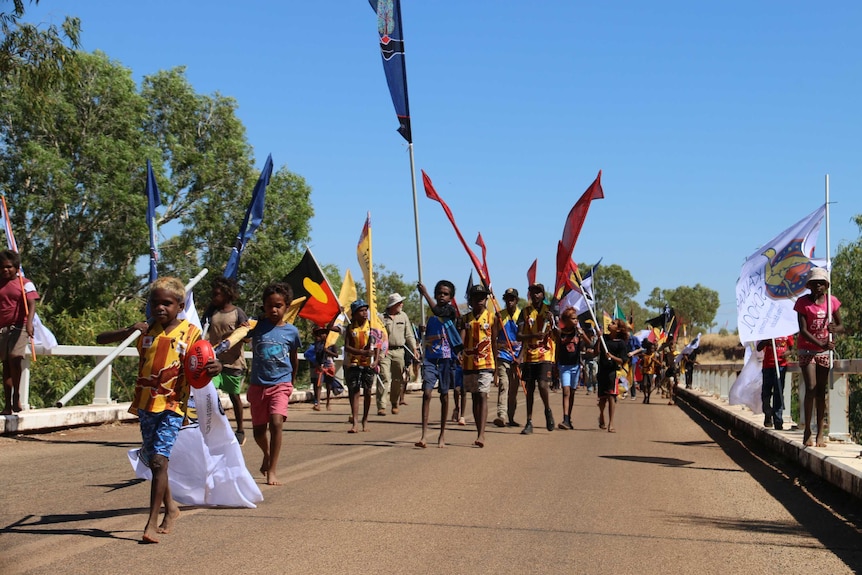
(53, 418)
(840, 463)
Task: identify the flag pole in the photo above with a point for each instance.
(829, 289)
(416, 224)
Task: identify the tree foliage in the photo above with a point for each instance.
(614, 285)
(694, 306)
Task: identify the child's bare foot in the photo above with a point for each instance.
(149, 535)
(818, 442)
(264, 467)
(271, 479)
(479, 443)
(352, 430)
(168, 522)
(441, 443)
(7, 411)
(421, 443)
(364, 428)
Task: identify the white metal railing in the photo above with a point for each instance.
(716, 379)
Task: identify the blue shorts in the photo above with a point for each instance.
(570, 375)
(159, 433)
(438, 371)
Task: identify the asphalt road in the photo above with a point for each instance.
(668, 493)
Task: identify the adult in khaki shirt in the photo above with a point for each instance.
(402, 351)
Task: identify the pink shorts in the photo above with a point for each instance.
(268, 400)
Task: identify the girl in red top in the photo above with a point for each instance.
(817, 321)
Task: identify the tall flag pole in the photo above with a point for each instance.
(252, 220)
(395, 68)
(154, 200)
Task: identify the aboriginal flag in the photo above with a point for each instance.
(307, 280)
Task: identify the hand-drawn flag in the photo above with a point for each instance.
(308, 280)
(574, 223)
(154, 200)
(364, 257)
(432, 194)
(394, 66)
(252, 220)
(773, 277)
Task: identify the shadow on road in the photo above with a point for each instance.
(827, 513)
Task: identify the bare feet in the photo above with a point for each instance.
(264, 467)
(819, 441)
(806, 439)
(611, 430)
(170, 518)
(352, 430)
(479, 443)
(441, 443)
(271, 479)
(421, 443)
(149, 535)
(462, 421)
(316, 407)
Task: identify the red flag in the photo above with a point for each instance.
(481, 243)
(431, 193)
(531, 273)
(574, 223)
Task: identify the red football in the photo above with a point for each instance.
(197, 357)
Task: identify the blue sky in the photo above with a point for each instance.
(714, 123)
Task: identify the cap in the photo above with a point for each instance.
(478, 290)
(357, 305)
(511, 292)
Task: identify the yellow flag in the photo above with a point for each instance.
(346, 296)
(289, 316)
(363, 255)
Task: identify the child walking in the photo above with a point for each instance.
(224, 318)
(479, 334)
(363, 357)
(161, 391)
(275, 360)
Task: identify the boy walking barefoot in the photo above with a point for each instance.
(359, 343)
(480, 351)
(438, 362)
(161, 391)
(274, 345)
(224, 320)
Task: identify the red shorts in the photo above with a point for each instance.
(268, 400)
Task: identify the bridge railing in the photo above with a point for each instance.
(717, 379)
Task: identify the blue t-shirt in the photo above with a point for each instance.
(271, 345)
(436, 340)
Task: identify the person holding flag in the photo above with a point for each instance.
(509, 348)
(819, 319)
(17, 311)
(362, 361)
(534, 331)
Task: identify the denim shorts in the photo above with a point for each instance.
(159, 433)
(438, 371)
(570, 375)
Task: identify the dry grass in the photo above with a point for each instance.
(716, 348)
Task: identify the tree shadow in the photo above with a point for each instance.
(821, 510)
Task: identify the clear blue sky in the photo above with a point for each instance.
(714, 122)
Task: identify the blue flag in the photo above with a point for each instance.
(253, 217)
(153, 201)
(392, 51)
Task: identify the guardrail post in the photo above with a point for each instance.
(839, 428)
(102, 387)
(725, 384)
(24, 389)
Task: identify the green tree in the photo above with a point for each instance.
(846, 279)
(694, 306)
(614, 285)
(42, 52)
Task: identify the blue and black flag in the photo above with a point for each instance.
(392, 51)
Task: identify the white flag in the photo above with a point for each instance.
(746, 389)
(772, 278)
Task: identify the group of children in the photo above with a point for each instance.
(504, 348)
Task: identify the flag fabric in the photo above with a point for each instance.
(575, 221)
(207, 466)
(432, 194)
(748, 384)
(618, 312)
(346, 296)
(364, 256)
(606, 321)
(308, 280)
(773, 277)
(189, 311)
(394, 65)
(664, 319)
(154, 200)
(251, 221)
(531, 273)
(469, 287)
(42, 336)
(481, 243)
(574, 299)
(695, 343)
